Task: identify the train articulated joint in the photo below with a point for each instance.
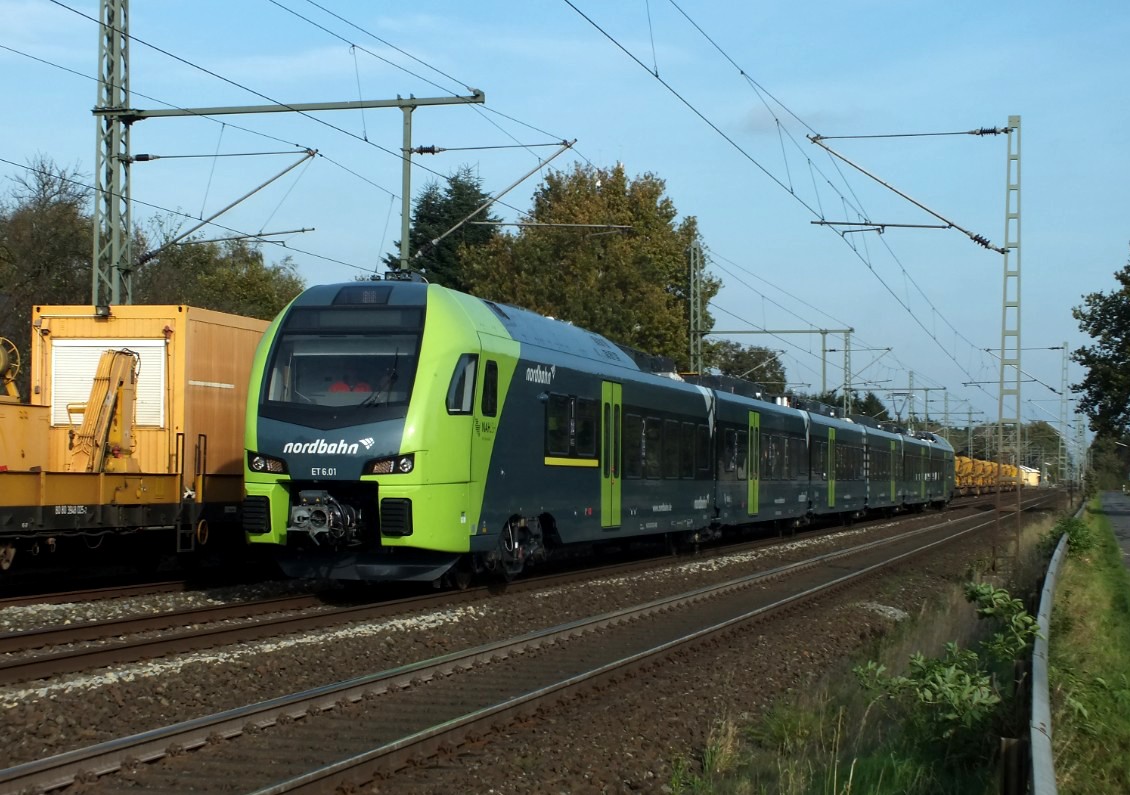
(323, 518)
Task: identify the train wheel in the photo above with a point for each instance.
(461, 574)
(7, 555)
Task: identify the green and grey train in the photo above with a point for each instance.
(400, 430)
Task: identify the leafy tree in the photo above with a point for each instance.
(870, 406)
(1105, 390)
(629, 285)
(1109, 463)
(45, 248)
(438, 210)
(751, 362)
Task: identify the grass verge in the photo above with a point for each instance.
(835, 739)
(1089, 668)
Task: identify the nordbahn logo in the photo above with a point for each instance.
(541, 375)
(322, 447)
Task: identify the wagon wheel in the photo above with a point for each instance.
(7, 555)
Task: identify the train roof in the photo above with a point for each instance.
(523, 326)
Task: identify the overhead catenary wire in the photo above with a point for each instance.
(759, 90)
(226, 228)
(862, 256)
(482, 111)
(398, 155)
(226, 124)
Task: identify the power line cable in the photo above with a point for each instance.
(298, 146)
(233, 230)
(863, 257)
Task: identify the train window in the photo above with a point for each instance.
(670, 449)
(461, 390)
(633, 445)
(772, 457)
(742, 451)
(798, 458)
(616, 442)
(820, 459)
(686, 451)
(606, 448)
(557, 422)
(586, 427)
(702, 448)
(729, 462)
(490, 389)
(652, 447)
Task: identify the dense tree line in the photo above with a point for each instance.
(598, 248)
(1104, 392)
(1105, 389)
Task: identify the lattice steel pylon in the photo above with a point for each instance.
(113, 255)
(695, 267)
(1063, 392)
(1008, 403)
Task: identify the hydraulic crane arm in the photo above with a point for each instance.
(104, 441)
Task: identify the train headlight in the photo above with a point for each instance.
(257, 462)
(391, 465)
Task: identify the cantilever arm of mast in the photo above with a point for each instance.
(980, 240)
(129, 115)
(309, 153)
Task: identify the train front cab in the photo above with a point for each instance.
(385, 484)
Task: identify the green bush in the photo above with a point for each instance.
(950, 706)
(1080, 537)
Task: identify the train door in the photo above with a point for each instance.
(484, 424)
(753, 464)
(611, 454)
(831, 467)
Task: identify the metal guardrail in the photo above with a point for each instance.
(1042, 780)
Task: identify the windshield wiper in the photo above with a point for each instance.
(386, 385)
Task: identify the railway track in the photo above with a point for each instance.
(94, 594)
(346, 733)
(71, 648)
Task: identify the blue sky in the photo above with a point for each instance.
(863, 68)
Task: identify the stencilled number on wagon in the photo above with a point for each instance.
(70, 510)
(323, 472)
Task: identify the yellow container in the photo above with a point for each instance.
(192, 383)
(23, 437)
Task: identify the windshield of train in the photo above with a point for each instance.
(343, 361)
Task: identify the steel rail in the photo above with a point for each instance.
(94, 594)
(119, 649)
(109, 757)
(23, 640)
